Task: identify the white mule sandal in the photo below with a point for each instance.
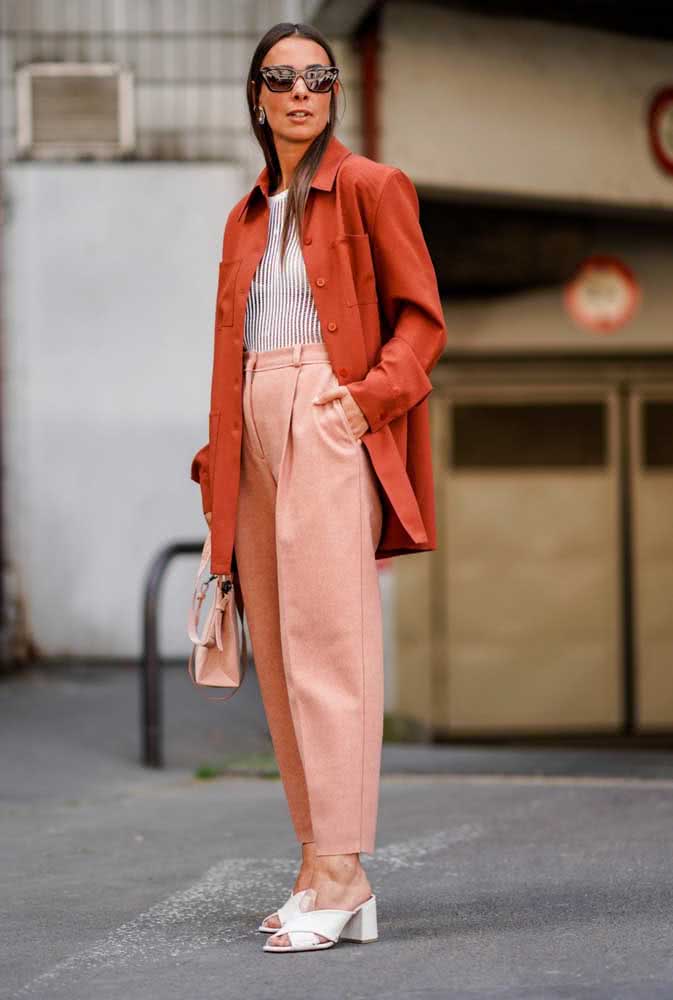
(289, 908)
(351, 925)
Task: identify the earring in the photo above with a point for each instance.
(261, 116)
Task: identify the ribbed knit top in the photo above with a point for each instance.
(280, 310)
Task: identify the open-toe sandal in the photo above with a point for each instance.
(352, 925)
(289, 908)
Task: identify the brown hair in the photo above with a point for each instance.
(297, 194)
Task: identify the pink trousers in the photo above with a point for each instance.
(309, 519)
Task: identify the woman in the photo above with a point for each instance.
(328, 323)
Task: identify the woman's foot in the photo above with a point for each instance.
(302, 881)
(339, 882)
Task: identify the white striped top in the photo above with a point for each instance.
(280, 310)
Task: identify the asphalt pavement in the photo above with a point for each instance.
(510, 873)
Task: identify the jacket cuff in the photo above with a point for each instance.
(393, 386)
(199, 474)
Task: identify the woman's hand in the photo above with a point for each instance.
(354, 414)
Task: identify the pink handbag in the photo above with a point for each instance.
(219, 656)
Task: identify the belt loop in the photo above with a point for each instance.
(296, 354)
(253, 358)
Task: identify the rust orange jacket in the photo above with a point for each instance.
(376, 295)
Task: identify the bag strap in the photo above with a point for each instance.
(198, 597)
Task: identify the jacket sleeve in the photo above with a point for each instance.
(409, 299)
(200, 474)
(200, 468)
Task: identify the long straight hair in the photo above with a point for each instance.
(298, 190)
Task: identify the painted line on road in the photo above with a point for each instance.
(226, 904)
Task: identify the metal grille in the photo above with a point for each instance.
(94, 108)
(188, 58)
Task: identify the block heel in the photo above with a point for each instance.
(362, 926)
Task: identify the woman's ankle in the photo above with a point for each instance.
(341, 868)
(308, 852)
(306, 867)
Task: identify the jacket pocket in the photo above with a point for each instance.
(226, 286)
(356, 269)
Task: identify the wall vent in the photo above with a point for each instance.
(73, 110)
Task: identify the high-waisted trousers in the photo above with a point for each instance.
(308, 522)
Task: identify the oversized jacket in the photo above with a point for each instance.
(376, 296)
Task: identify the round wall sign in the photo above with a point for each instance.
(661, 128)
(603, 295)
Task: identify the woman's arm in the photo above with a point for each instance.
(409, 299)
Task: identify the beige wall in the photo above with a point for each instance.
(537, 318)
(520, 107)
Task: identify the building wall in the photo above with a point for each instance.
(108, 278)
(189, 61)
(111, 273)
(535, 319)
(476, 104)
(503, 111)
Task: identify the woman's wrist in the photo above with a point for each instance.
(354, 414)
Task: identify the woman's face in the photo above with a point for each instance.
(300, 53)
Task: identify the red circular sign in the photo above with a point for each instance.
(661, 128)
(603, 295)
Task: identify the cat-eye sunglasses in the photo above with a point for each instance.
(318, 79)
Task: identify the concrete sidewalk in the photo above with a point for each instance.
(512, 873)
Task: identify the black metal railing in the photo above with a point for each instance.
(150, 663)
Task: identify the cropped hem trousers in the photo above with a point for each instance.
(309, 519)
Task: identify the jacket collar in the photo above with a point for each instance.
(323, 179)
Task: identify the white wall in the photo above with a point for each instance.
(109, 279)
(109, 288)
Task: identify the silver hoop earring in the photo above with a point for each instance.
(261, 116)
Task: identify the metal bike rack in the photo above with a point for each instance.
(150, 663)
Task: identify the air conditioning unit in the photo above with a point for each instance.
(74, 110)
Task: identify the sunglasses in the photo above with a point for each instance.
(318, 79)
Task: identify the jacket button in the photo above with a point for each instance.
(309, 239)
(343, 371)
(331, 326)
(320, 281)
